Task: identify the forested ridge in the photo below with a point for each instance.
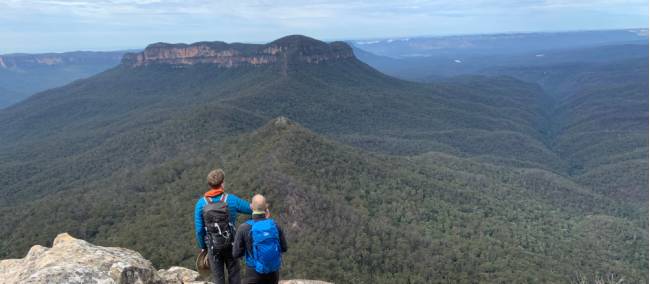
(598, 118)
(375, 179)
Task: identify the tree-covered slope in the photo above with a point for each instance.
(600, 119)
(595, 101)
(605, 134)
(352, 216)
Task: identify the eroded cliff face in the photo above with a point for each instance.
(15, 61)
(287, 50)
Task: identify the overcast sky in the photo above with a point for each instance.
(65, 25)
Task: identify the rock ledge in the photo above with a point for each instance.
(72, 260)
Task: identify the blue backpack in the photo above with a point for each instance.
(266, 256)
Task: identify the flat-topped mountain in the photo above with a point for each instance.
(289, 49)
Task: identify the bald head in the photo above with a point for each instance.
(258, 203)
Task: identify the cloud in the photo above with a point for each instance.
(70, 24)
(300, 9)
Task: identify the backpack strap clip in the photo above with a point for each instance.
(224, 198)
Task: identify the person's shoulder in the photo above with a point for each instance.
(276, 223)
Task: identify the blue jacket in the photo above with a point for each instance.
(235, 205)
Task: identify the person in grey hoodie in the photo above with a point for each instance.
(244, 241)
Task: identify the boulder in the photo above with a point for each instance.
(73, 261)
(177, 274)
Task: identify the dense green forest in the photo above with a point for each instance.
(375, 179)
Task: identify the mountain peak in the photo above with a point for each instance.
(298, 40)
(289, 49)
(280, 124)
(282, 129)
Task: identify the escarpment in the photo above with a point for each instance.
(286, 50)
(24, 62)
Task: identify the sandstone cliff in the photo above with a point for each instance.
(286, 50)
(71, 260)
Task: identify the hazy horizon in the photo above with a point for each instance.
(39, 26)
(137, 48)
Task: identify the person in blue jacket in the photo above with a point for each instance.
(236, 205)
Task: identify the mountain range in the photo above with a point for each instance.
(508, 175)
(497, 44)
(22, 75)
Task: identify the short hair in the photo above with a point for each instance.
(215, 178)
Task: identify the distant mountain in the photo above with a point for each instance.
(497, 44)
(287, 50)
(22, 75)
(376, 180)
(437, 67)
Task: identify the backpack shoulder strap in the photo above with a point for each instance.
(224, 198)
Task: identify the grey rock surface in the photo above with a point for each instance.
(76, 261)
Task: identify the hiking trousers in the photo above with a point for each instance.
(220, 259)
(252, 277)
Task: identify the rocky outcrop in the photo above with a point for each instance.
(287, 50)
(177, 274)
(72, 260)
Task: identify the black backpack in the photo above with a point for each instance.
(219, 230)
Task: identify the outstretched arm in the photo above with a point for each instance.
(243, 206)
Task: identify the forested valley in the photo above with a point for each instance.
(514, 173)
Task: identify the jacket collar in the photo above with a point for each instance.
(259, 216)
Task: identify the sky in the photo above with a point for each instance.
(67, 25)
